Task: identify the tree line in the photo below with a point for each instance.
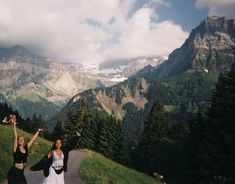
(30, 125)
(201, 152)
(102, 133)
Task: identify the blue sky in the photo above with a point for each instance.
(182, 12)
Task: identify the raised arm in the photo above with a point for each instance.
(34, 137)
(15, 144)
(71, 143)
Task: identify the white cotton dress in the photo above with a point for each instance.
(54, 178)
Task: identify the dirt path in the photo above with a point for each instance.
(71, 176)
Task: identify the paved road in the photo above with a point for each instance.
(71, 176)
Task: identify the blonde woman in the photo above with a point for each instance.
(20, 155)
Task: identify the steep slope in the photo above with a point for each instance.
(98, 169)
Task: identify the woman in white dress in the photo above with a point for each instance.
(56, 173)
(54, 164)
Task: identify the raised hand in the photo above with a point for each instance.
(78, 134)
(34, 137)
(10, 120)
(6, 120)
(13, 118)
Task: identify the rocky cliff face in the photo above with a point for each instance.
(209, 48)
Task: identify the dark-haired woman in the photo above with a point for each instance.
(55, 162)
(20, 155)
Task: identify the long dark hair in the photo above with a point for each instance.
(53, 146)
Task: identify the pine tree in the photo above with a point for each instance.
(57, 131)
(80, 120)
(75, 121)
(193, 147)
(88, 135)
(121, 147)
(156, 128)
(103, 145)
(29, 125)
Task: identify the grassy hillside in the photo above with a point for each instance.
(97, 169)
(37, 150)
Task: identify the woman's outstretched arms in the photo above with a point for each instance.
(34, 137)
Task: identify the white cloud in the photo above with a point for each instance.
(142, 37)
(157, 3)
(60, 29)
(218, 7)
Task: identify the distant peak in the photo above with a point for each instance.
(18, 51)
(214, 24)
(20, 48)
(215, 18)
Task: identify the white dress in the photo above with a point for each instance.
(54, 178)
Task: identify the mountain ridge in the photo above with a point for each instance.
(28, 79)
(213, 40)
(25, 74)
(186, 78)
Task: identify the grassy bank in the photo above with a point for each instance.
(97, 169)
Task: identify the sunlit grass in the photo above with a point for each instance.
(97, 169)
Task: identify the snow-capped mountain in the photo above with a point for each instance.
(113, 72)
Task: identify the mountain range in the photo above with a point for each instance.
(183, 83)
(36, 84)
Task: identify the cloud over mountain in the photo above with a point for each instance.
(218, 7)
(88, 30)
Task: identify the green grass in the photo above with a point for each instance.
(38, 149)
(97, 169)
